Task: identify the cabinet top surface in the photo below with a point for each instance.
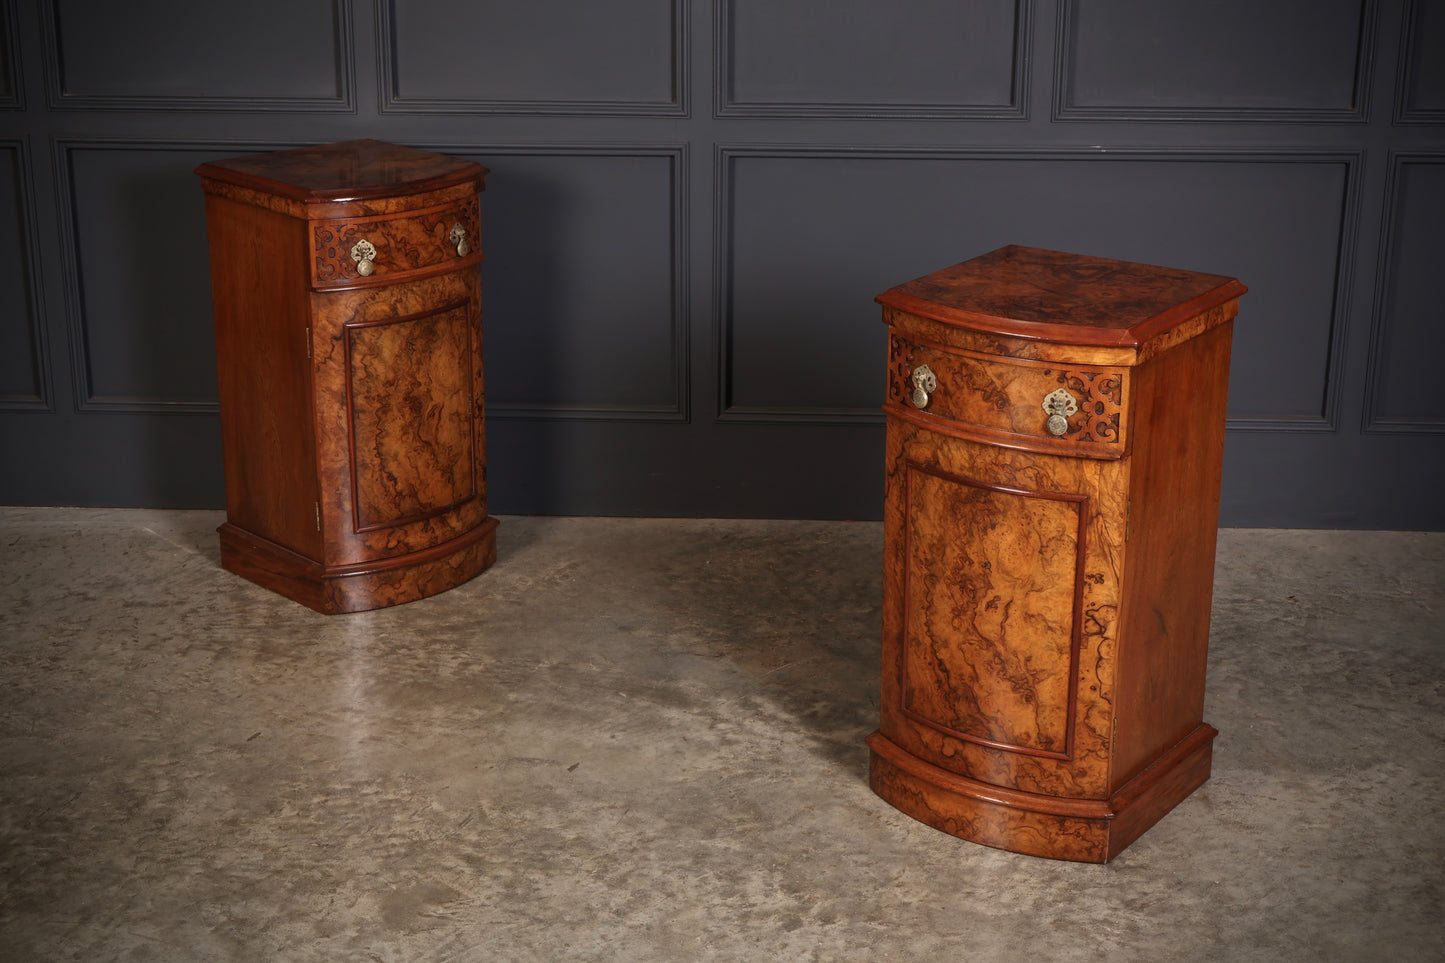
(350, 170)
(1072, 298)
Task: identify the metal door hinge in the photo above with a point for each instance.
(308, 342)
(318, 516)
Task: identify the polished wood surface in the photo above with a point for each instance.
(990, 650)
(258, 296)
(409, 245)
(998, 398)
(1010, 484)
(1056, 827)
(1175, 478)
(1046, 599)
(409, 387)
(1069, 298)
(347, 170)
(352, 408)
(386, 407)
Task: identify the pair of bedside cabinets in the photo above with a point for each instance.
(1055, 429)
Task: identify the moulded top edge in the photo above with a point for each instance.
(1045, 295)
(346, 171)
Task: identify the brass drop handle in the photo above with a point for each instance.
(924, 384)
(458, 237)
(1059, 404)
(365, 257)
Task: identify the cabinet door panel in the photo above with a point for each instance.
(411, 417)
(991, 634)
(400, 417)
(1013, 693)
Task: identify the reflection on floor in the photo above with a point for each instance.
(642, 739)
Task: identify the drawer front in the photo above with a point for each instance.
(1047, 406)
(354, 252)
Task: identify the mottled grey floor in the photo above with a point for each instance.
(641, 740)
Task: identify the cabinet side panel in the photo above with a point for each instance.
(259, 299)
(1169, 557)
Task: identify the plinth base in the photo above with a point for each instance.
(367, 585)
(1082, 830)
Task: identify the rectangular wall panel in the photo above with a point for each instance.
(812, 237)
(626, 56)
(1420, 97)
(829, 150)
(1409, 337)
(937, 57)
(139, 276)
(582, 293)
(23, 381)
(292, 54)
(1226, 60)
(9, 60)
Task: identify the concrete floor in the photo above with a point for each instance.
(641, 740)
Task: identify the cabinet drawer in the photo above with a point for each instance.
(1048, 406)
(351, 252)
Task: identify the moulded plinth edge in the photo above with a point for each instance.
(357, 588)
(1080, 830)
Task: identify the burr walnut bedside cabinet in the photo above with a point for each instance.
(1054, 441)
(346, 283)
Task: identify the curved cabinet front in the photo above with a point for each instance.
(1050, 500)
(350, 355)
(990, 638)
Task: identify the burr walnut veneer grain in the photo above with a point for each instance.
(352, 411)
(1046, 596)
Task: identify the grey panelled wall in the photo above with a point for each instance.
(693, 203)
